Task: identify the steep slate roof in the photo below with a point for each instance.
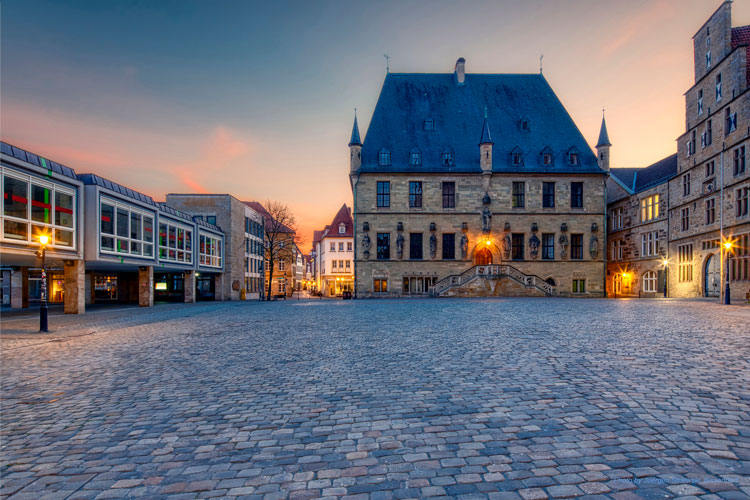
(258, 207)
(355, 140)
(343, 216)
(408, 99)
(639, 179)
(39, 161)
(93, 179)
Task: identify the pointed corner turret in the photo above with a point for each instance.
(355, 140)
(355, 147)
(603, 145)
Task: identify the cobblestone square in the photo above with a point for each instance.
(501, 399)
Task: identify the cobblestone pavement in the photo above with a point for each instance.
(503, 399)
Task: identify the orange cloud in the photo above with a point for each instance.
(638, 23)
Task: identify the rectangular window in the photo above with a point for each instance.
(700, 101)
(379, 285)
(384, 246)
(415, 194)
(175, 242)
(41, 204)
(710, 169)
(282, 265)
(739, 160)
(730, 121)
(718, 87)
(449, 195)
(449, 246)
(649, 244)
(709, 133)
(341, 246)
(125, 229)
(617, 218)
(686, 184)
(384, 194)
(579, 286)
(334, 264)
(211, 219)
(576, 246)
(548, 246)
(576, 195)
(209, 250)
(710, 211)
(650, 208)
(548, 195)
(415, 246)
(685, 262)
(348, 246)
(519, 193)
(333, 246)
(517, 246)
(742, 201)
(685, 218)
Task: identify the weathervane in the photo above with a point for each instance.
(541, 56)
(387, 63)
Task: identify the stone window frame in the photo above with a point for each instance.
(518, 194)
(649, 280)
(415, 197)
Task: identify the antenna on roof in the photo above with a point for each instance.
(387, 63)
(541, 56)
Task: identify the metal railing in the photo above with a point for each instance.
(491, 271)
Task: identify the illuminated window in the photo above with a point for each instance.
(649, 281)
(209, 250)
(175, 242)
(379, 285)
(579, 286)
(650, 208)
(685, 262)
(125, 229)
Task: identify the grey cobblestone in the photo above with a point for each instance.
(501, 399)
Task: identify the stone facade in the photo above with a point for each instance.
(230, 217)
(708, 198)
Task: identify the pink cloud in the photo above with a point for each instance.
(654, 14)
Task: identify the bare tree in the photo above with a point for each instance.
(281, 237)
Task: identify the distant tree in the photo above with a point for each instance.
(281, 237)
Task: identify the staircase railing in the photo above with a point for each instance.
(491, 271)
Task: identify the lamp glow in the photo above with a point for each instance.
(43, 239)
(727, 245)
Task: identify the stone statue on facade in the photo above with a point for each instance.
(534, 246)
(400, 245)
(594, 246)
(563, 240)
(506, 246)
(433, 246)
(486, 220)
(366, 245)
(464, 246)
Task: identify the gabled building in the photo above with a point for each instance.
(709, 197)
(638, 230)
(285, 264)
(476, 184)
(334, 250)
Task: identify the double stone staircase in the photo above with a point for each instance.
(492, 279)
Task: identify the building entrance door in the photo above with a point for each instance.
(483, 257)
(712, 280)
(617, 284)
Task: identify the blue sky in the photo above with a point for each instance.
(257, 98)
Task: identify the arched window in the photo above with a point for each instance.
(384, 157)
(449, 158)
(415, 157)
(649, 281)
(551, 281)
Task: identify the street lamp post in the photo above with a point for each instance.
(727, 248)
(666, 276)
(42, 254)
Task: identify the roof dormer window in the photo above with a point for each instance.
(525, 126)
(546, 157)
(516, 157)
(573, 157)
(384, 157)
(449, 158)
(342, 228)
(415, 157)
(429, 125)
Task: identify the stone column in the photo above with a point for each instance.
(89, 283)
(189, 286)
(75, 287)
(16, 288)
(146, 286)
(219, 287)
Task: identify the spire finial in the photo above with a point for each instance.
(387, 63)
(541, 56)
(485, 111)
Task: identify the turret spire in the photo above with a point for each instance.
(355, 140)
(603, 136)
(486, 137)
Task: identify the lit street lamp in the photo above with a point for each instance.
(727, 249)
(42, 254)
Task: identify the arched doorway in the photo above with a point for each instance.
(483, 257)
(712, 277)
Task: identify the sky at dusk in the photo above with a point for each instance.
(256, 99)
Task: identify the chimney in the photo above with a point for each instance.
(460, 70)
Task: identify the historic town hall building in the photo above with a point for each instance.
(477, 184)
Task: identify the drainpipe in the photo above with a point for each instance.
(721, 226)
(354, 232)
(605, 246)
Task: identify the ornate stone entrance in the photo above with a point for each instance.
(483, 257)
